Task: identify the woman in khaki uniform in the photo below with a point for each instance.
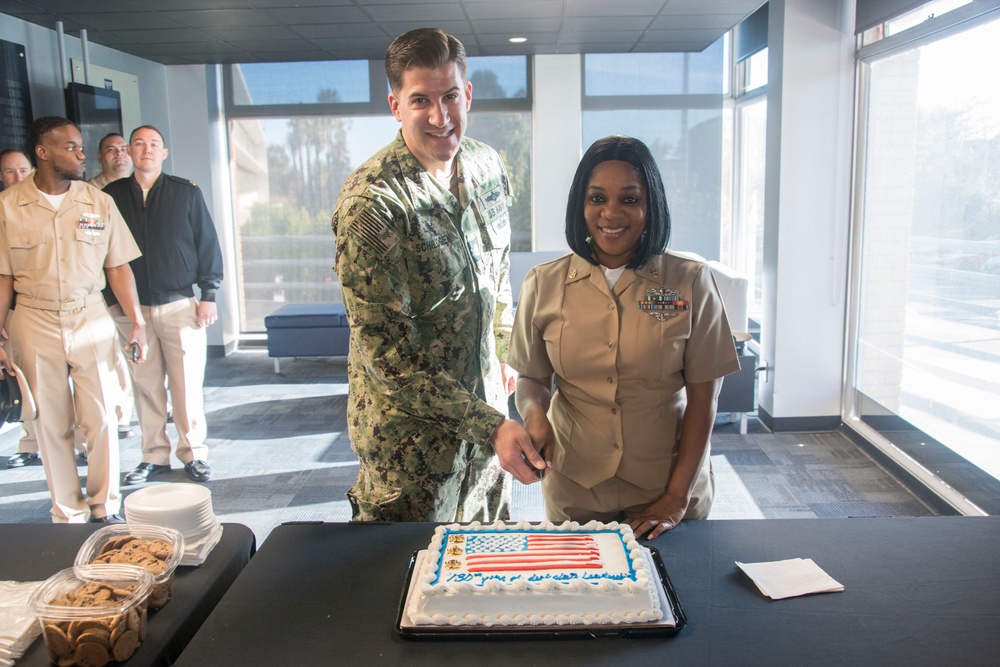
(638, 342)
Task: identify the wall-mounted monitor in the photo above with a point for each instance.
(97, 112)
(15, 99)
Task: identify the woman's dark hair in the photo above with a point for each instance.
(619, 147)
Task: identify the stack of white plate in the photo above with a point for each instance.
(186, 508)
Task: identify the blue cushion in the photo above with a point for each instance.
(307, 316)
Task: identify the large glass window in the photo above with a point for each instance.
(747, 254)
(303, 83)
(647, 74)
(747, 249)
(673, 103)
(928, 310)
(297, 130)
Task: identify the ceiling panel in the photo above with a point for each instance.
(276, 32)
(336, 30)
(124, 20)
(220, 18)
(291, 15)
(509, 27)
(217, 31)
(714, 22)
(647, 8)
(515, 10)
(550, 38)
(148, 36)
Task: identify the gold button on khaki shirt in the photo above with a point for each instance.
(620, 359)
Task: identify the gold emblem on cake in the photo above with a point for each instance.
(452, 565)
(454, 551)
(456, 539)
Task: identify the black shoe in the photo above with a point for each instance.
(125, 432)
(21, 459)
(143, 472)
(111, 518)
(198, 471)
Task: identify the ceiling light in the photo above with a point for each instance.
(517, 40)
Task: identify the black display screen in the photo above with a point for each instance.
(97, 112)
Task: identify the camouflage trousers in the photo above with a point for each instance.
(475, 489)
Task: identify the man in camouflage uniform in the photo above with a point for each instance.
(423, 240)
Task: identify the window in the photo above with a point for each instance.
(297, 131)
(927, 354)
(303, 83)
(755, 71)
(673, 102)
(747, 255)
(747, 248)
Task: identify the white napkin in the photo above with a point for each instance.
(18, 627)
(789, 578)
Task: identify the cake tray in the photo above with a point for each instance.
(668, 598)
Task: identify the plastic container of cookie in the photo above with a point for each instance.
(156, 548)
(93, 615)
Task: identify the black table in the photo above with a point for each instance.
(918, 591)
(33, 552)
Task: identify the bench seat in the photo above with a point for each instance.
(307, 330)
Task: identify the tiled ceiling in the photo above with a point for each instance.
(176, 32)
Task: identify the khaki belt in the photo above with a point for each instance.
(67, 306)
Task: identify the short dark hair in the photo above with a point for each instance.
(10, 151)
(100, 144)
(43, 126)
(424, 47)
(619, 147)
(147, 127)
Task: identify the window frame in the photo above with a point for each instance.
(852, 412)
(377, 104)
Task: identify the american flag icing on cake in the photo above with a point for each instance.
(534, 574)
(528, 551)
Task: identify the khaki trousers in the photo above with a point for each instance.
(177, 353)
(54, 349)
(123, 411)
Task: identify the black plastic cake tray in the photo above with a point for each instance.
(477, 632)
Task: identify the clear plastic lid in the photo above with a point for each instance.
(114, 537)
(129, 587)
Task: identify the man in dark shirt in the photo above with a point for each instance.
(172, 226)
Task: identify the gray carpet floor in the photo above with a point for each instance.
(279, 452)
